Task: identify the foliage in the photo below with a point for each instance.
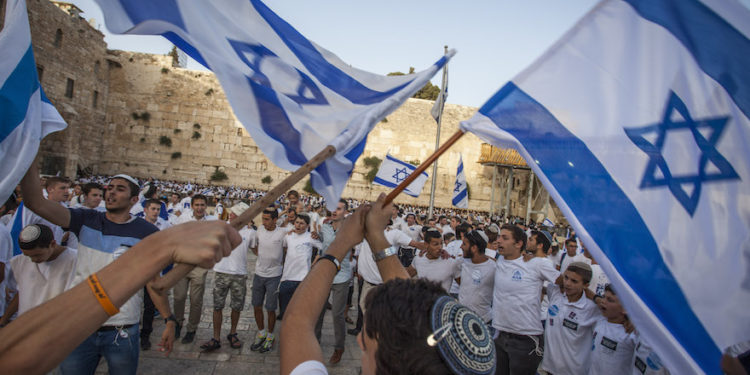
(372, 162)
(468, 191)
(308, 188)
(219, 175)
(178, 131)
(428, 91)
(266, 180)
(415, 162)
(145, 116)
(196, 135)
(143, 139)
(196, 126)
(164, 70)
(175, 56)
(209, 92)
(165, 141)
(176, 155)
(385, 119)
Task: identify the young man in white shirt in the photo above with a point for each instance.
(43, 271)
(151, 210)
(268, 269)
(571, 255)
(414, 231)
(299, 249)
(477, 275)
(195, 280)
(613, 347)
(231, 275)
(599, 279)
(515, 304)
(570, 323)
(432, 266)
(93, 194)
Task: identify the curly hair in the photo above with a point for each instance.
(398, 318)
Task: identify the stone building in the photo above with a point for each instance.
(139, 114)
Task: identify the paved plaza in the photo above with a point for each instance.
(187, 359)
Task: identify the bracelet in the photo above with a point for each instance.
(172, 318)
(332, 259)
(101, 295)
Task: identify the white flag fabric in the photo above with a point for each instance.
(547, 222)
(461, 189)
(636, 121)
(292, 96)
(26, 115)
(392, 171)
(437, 108)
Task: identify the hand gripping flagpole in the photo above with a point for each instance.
(422, 167)
(181, 270)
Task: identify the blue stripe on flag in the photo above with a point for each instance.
(390, 184)
(16, 93)
(328, 74)
(458, 198)
(460, 168)
(719, 49)
(410, 167)
(16, 228)
(606, 212)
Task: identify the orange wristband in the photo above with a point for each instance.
(101, 295)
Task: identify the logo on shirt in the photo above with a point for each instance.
(609, 343)
(476, 277)
(553, 310)
(572, 315)
(640, 365)
(517, 276)
(570, 324)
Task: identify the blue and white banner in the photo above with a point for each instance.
(26, 115)
(636, 121)
(437, 108)
(547, 222)
(460, 188)
(392, 171)
(292, 96)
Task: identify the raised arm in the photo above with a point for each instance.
(390, 267)
(34, 200)
(72, 316)
(298, 342)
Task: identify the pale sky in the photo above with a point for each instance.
(494, 40)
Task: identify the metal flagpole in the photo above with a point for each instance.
(437, 136)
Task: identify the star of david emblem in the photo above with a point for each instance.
(458, 187)
(401, 174)
(707, 146)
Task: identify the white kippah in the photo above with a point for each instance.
(30, 233)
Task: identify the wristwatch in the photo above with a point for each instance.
(332, 259)
(382, 254)
(170, 317)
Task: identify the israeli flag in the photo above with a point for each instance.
(392, 171)
(26, 115)
(636, 121)
(547, 222)
(461, 189)
(292, 96)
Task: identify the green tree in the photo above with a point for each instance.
(309, 188)
(428, 92)
(372, 162)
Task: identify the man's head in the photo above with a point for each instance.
(293, 197)
(434, 242)
(121, 193)
(77, 189)
(174, 198)
(411, 219)
(473, 243)
(394, 340)
(340, 211)
(291, 215)
(92, 194)
(511, 241)
(611, 307)
(37, 242)
(394, 211)
(301, 223)
(448, 238)
(576, 278)
(571, 246)
(431, 222)
(492, 232)
(237, 210)
(538, 242)
(461, 230)
(58, 189)
(455, 221)
(151, 209)
(268, 218)
(199, 203)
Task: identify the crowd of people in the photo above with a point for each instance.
(533, 304)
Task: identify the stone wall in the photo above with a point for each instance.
(155, 120)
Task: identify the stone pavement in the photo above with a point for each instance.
(187, 359)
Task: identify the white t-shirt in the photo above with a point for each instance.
(443, 271)
(413, 232)
(310, 368)
(236, 262)
(555, 258)
(568, 333)
(39, 282)
(454, 249)
(612, 350)
(517, 294)
(368, 269)
(599, 280)
(185, 204)
(645, 360)
(477, 284)
(270, 252)
(567, 260)
(398, 223)
(299, 249)
(447, 229)
(189, 217)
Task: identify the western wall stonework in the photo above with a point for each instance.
(151, 119)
